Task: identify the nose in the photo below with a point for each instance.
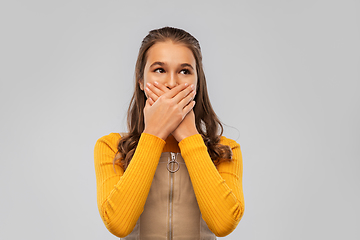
(172, 82)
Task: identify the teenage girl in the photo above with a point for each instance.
(172, 175)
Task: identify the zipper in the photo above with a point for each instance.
(170, 167)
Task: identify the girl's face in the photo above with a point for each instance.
(170, 64)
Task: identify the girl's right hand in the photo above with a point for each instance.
(164, 114)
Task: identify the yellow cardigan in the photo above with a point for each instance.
(121, 196)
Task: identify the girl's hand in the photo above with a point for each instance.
(187, 126)
(163, 114)
(154, 91)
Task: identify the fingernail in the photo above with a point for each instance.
(186, 84)
(148, 84)
(147, 89)
(192, 86)
(194, 93)
(156, 83)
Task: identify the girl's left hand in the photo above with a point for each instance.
(187, 127)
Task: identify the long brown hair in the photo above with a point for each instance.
(206, 121)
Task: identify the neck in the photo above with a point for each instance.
(171, 144)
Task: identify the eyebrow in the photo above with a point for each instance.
(182, 65)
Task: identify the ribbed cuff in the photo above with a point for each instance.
(152, 138)
(192, 144)
(150, 143)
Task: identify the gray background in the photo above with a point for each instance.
(284, 75)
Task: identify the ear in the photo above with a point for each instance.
(141, 83)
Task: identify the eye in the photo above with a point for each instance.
(185, 71)
(159, 70)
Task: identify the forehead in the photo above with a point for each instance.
(169, 52)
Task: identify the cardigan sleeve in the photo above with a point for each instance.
(121, 196)
(218, 190)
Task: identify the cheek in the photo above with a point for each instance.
(190, 79)
(195, 82)
(148, 79)
(151, 78)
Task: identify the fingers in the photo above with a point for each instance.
(187, 99)
(151, 102)
(184, 94)
(188, 108)
(151, 95)
(176, 90)
(155, 90)
(161, 87)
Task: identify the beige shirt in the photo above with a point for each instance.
(171, 210)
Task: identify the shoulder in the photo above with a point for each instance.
(110, 140)
(110, 137)
(230, 142)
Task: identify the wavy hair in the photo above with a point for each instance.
(206, 121)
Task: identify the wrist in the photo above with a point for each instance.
(158, 134)
(182, 135)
